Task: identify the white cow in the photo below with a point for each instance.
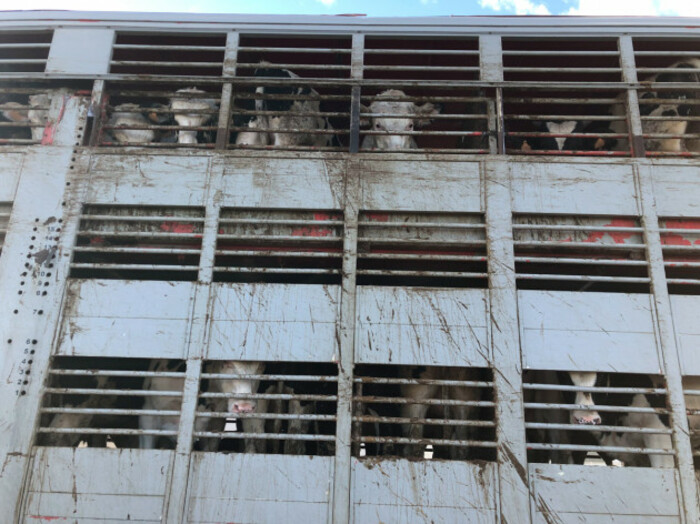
(420, 392)
(411, 117)
(229, 386)
(79, 420)
(39, 117)
(130, 115)
(189, 112)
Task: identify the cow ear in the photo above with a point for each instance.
(426, 110)
(365, 120)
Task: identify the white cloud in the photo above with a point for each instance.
(327, 3)
(636, 7)
(519, 7)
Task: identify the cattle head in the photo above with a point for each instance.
(388, 102)
(240, 386)
(191, 112)
(584, 416)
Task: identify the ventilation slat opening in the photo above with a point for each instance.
(680, 244)
(424, 413)
(112, 402)
(160, 115)
(281, 246)
(267, 407)
(669, 103)
(421, 249)
(24, 51)
(597, 419)
(138, 243)
(577, 253)
(168, 54)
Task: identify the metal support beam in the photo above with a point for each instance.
(175, 503)
(668, 345)
(514, 505)
(634, 118)
(34, 266)
(346, 336)
(226, 103)
(356, 72)
(491, 66)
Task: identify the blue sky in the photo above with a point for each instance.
(380, 7)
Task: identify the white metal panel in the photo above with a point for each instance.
(574, 188)
(573, 493)
(423, 491)
(126, 318)
(9, 177)
(283, 182)
(259, 488)
(676, 190)
(125, 484)
(424, 186)
(571, 331)
(274, 322)
(148, 180)
(686, 309)
(422, 326)
(80, 51)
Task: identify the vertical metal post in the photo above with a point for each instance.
(507, 377)
(356, 73)
(98, 101)
(634, 118)
(346, 336)
(230, 63)
(491, 67)
(35, 265)
(668, 344)
(175, 504)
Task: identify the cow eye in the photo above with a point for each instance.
(378, 125)
(410, 126)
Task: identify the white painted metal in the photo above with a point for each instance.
(81, 51)
(573, 493)
(561, 330)
(422, 326)
(438, 491)
(345, 323)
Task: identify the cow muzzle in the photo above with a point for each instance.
(591, 418)
(242, 406)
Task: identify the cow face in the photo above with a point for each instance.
(585, 416)
(391, 127)
(190, 112)
(240, 386)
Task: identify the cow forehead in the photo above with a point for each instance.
(562, 128)
(238, 366)
(392, 107)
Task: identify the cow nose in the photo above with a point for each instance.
(243, 407)
(592, 419)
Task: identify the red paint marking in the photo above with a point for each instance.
(676, 239)
(50, 129)
(41, 517)
(619, 237)
(377, 217)
(177, 227)
(315, 231)
(97, 241)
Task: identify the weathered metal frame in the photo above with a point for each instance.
(71, 165)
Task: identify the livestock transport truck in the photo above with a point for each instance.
(405, 320)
